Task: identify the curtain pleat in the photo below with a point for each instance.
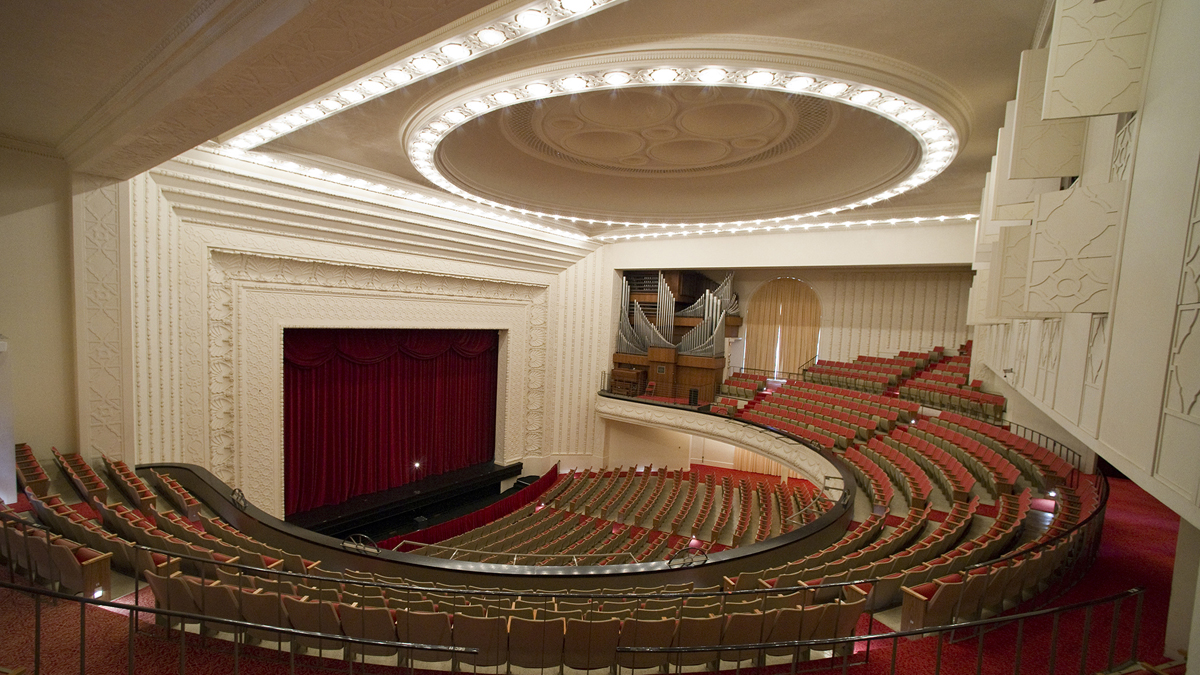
(362, 407)
(784, 320)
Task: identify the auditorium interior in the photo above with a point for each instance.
(698, 335)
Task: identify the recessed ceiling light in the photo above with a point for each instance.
(891, 105)
(398, 76)
(491, 37)
(505, 97)
(539, 89)
(475, 106)
(760, 78)
(573, 83)
(455, 51)
(576, 6)
(925, 125)
(425, 64)
(351, 95)
(910, 115)
(711, 75)
(664, 75)
(532, 19)
(454, 116)
(617, 77)
(865, 97)
(439, 126)
(373, 86)
(329, 104)
(834, 89)
(800, 83)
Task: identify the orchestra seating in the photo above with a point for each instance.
(938, 566)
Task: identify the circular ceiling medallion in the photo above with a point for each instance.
(681, 133)
(754, 144)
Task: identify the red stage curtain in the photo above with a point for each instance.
(470, 521)
(362, 406)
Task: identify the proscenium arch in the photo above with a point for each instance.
(783, 326)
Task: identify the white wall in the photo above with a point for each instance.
(1124, 378)
(36, 310)
(872, 312)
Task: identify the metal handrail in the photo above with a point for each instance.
(482, 591)
(134, 610)
(979, 625)
(1073, 457)
(459, 549)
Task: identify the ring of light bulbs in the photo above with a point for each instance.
(936, 137)
(534, 18)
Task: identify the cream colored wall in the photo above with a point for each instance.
(1124, 377)
(36, 310)
(872, 312)
(220, 261)
(636, 445)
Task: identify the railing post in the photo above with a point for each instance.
(82, 638)
(37, 634)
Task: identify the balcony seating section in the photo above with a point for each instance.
(874, 404)
(180, 499)
(130, 484)
(997, 473)
(513, 630)
(953, 478)
(956, 399)
(850, 377)
(29, 471)
(1044, 468)
(743, 385)
(81, 475)
(789, 417)
(871, 477)
(913, 481)
(60, 562)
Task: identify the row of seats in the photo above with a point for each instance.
(954, 398)
(871, 477)
(1042, 466)
(29, 471)
(799, 430)
(997, 473)
(180, 499)
(913, 481)
(954, 478)
(82, 476)
(506, 638)
(906, 410)
(841, 434)
(66, 565)
(848, 378)
(130, 484)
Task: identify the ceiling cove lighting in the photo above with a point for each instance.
(725, 228)
(480, 39)
(937, 139)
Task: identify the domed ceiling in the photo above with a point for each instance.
(606, 116)
(683, 152)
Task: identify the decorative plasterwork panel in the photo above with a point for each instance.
(1072, 249)
(1012, 197)
(101, 339)
(791, 454)
(1048, 355)
(254, 297)
(1093, 374)
(1011, 257)
(1020, 354)
(1042, 148)
(1097, 54)
(1179, 436)
(1122, 159)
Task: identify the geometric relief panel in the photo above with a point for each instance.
(1071, 253)
(1042, 148)
(1013, 258)
(1093, 373)
(1097, 54)
(1048, 357)
(1179, 434)
(1009, 195)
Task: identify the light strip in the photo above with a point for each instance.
(309, 171)
(530, 20)
(732, 228)
(936, 136)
